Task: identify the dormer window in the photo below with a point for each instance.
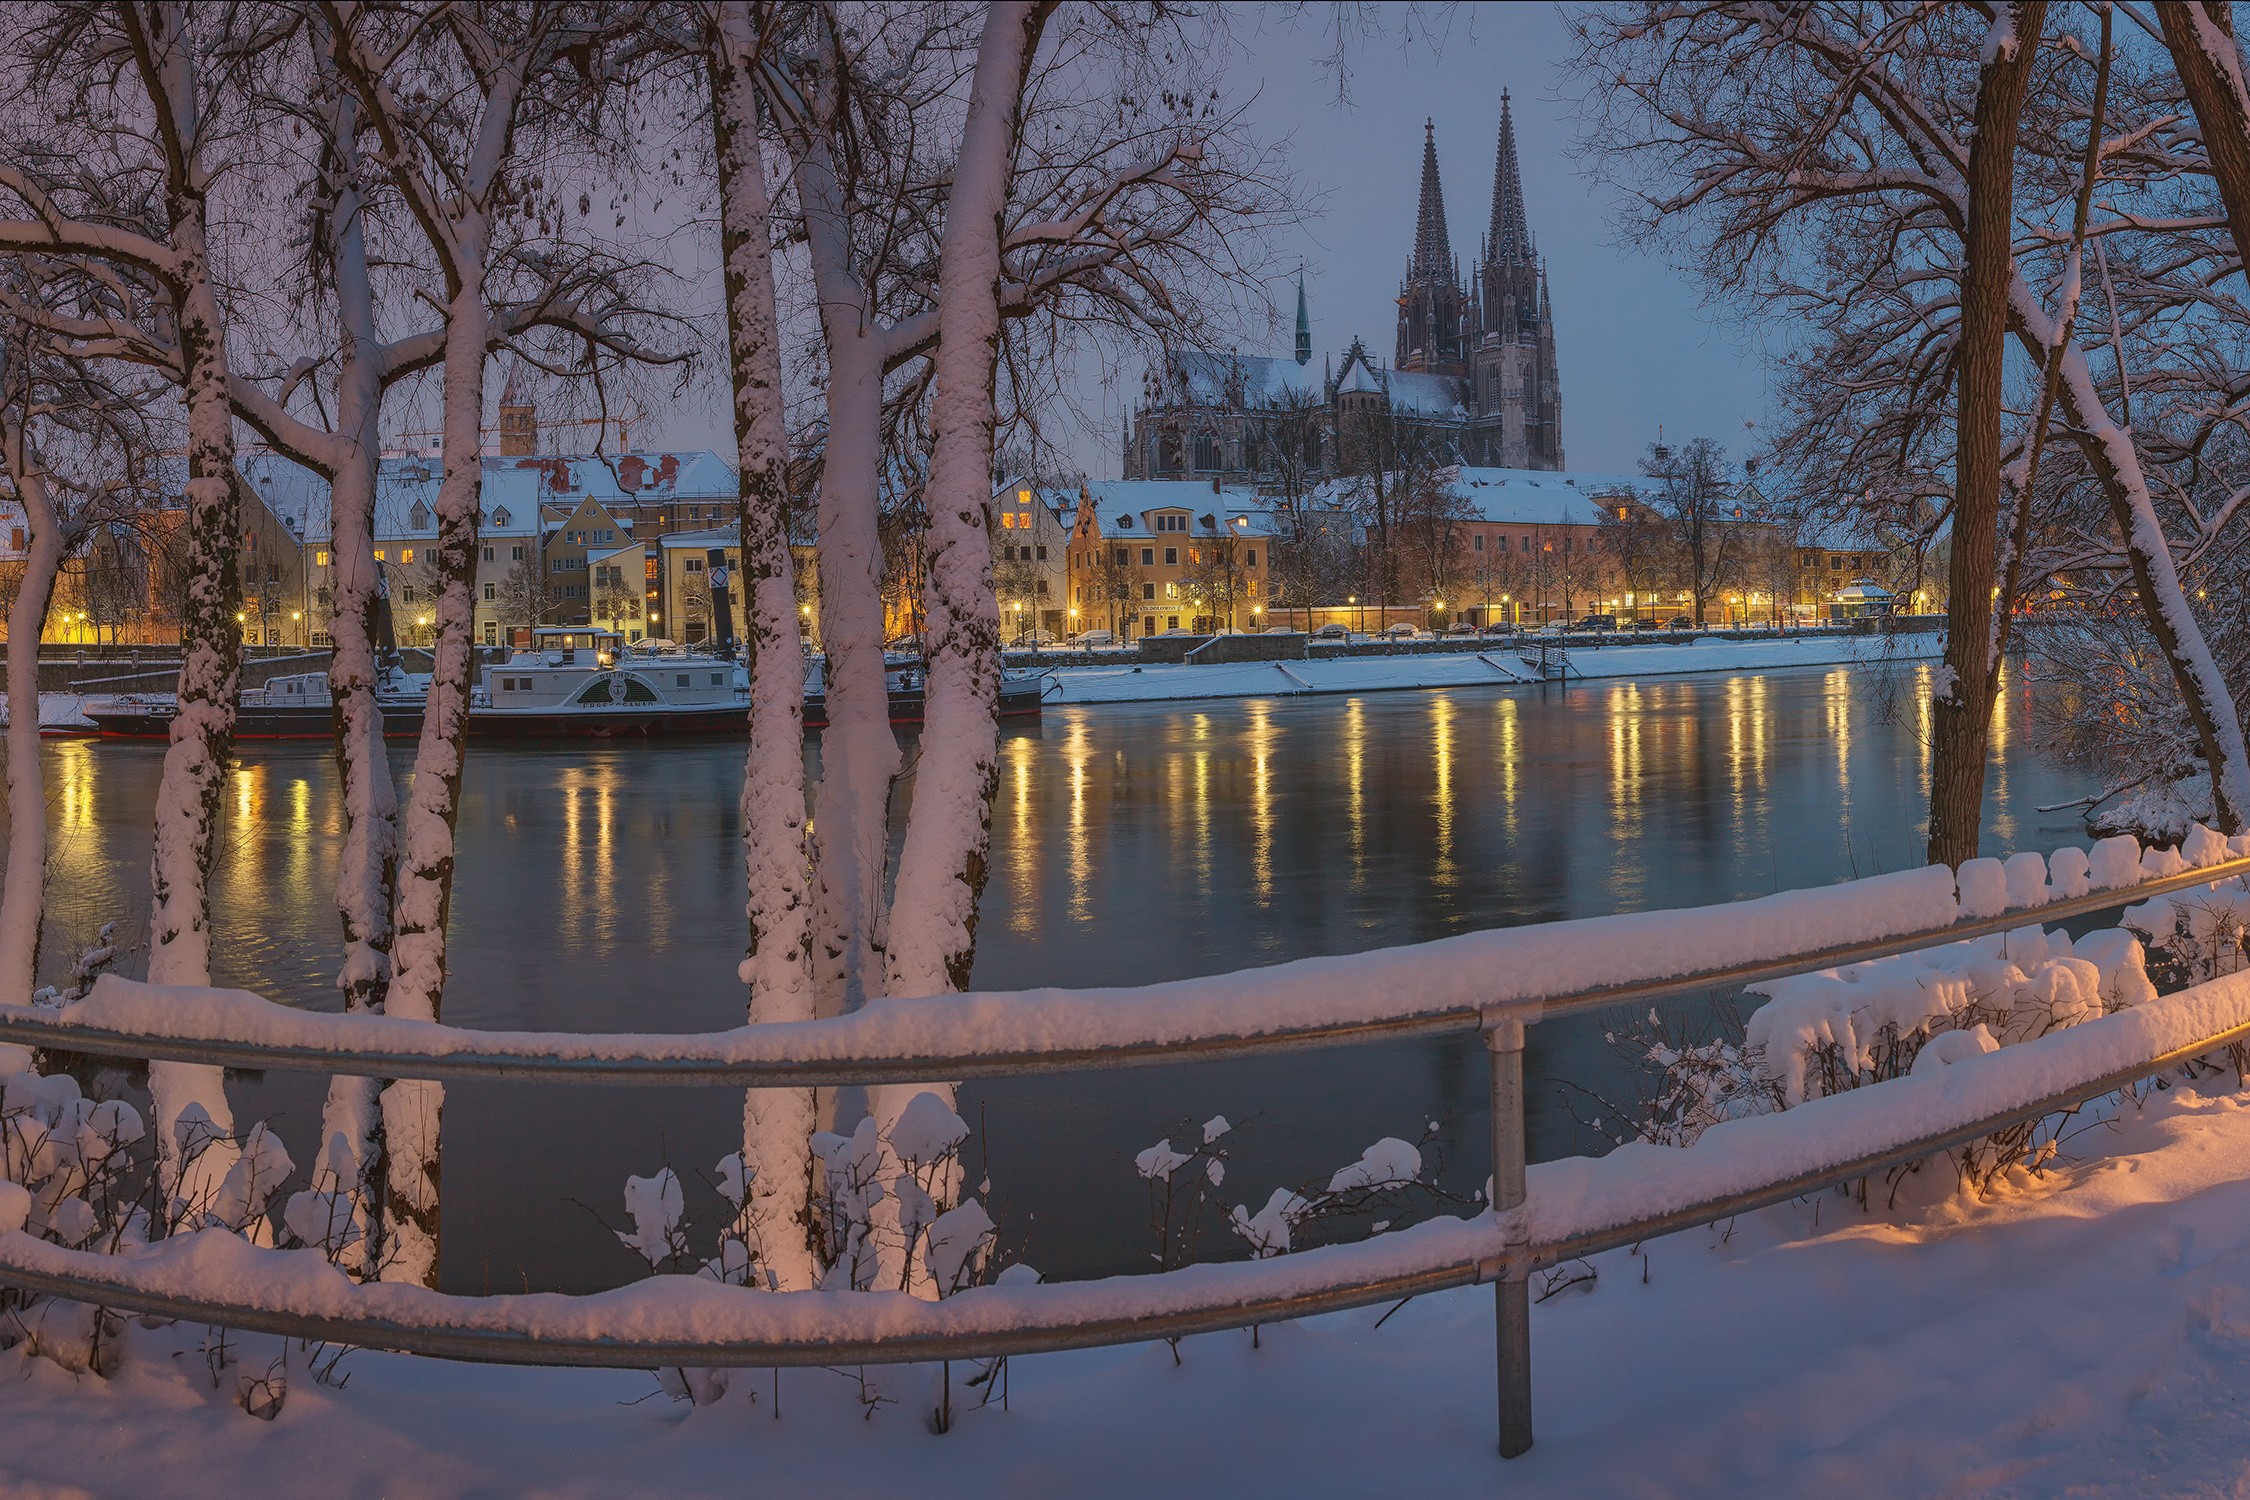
(500, 515)
(1171, 522)
(419, 517)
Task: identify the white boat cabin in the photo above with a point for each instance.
(581, 668)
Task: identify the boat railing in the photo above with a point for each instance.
(1495, 984)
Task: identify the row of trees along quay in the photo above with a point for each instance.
(306, 225)
(2007, 241)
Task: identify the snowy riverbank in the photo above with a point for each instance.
(2085, 1333)
(1496, 664)
(56, 711)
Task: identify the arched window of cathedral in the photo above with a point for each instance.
(1206, 451)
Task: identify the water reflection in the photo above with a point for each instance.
(601, 888)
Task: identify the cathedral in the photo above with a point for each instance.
(1474, 368)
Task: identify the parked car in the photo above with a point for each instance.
(1597, 622)
(1679, 622)
(1464, 628)
(1401, 631)
(1332, 632)
(1500, 627)
(1552, 627)
(1092, 638)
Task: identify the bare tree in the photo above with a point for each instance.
(1693, 499)
(122, 190)
(49, 404)
(466, 114)
(1638, 542)
(1962, 707)
(1787, 146)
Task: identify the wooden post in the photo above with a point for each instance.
(1503, 1040)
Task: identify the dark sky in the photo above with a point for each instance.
(1637, 347)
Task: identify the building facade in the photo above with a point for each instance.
(1151, 556)
(1474, 370)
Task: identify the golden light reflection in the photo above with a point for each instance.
(589, 855)
(1262, 736)
(1837, 722)
(1441, 726)
(75, 768)
(1023, 845)
(1202, 813)
(1355, 790)
(299, 853)
(244, 850)
(1510, 731)
(1626, 711)
(1077, 752)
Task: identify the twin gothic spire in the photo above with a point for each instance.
(1440, 320)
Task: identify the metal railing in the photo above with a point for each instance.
(1496, 1247)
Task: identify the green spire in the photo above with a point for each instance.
(1304, 323)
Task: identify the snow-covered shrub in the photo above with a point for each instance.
(1387, 1180)
(2194, 935)
(1911, 1013)
(1838, 1029)
(874, 1188)
(81, 1173)
(1690, 1077)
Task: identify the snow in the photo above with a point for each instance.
(1390, 1162)
(2116, 862)
(2080, 1331)
(56, 711)
(1984, 888)
(1480, 667)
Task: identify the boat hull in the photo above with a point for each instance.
(153, 721)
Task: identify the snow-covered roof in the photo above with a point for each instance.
(1124, 506)
(1429, 395)
(1357, 381)
(1200, 377)
(1533, 497)
(514, 489)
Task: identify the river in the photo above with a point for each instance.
(600, 888)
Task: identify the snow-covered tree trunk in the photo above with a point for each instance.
(942, 869)
(2110, 452)
(942, 864)
(411, 1107)
(22, 902)
(195, 761)
(367, 858)
(777, 1124)
(1961, 707)
(859, 754)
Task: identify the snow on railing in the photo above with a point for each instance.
(1455, 984)
(1495, 981)
(1575, 1207)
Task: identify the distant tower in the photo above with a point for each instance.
(519, 419)
(1430, 299)
(1512, 342)
(1304, 323)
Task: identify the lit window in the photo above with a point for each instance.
(407, 556)
(320, 558)
(379, 555)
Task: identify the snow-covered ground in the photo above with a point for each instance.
(1495, 664)
(2082, 1333)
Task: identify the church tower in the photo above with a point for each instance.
(1430, 300)
(1511, 345)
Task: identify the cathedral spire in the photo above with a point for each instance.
(1433, 247)
(1304, 323)
(1510, 234)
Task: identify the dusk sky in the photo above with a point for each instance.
(1637, 346)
